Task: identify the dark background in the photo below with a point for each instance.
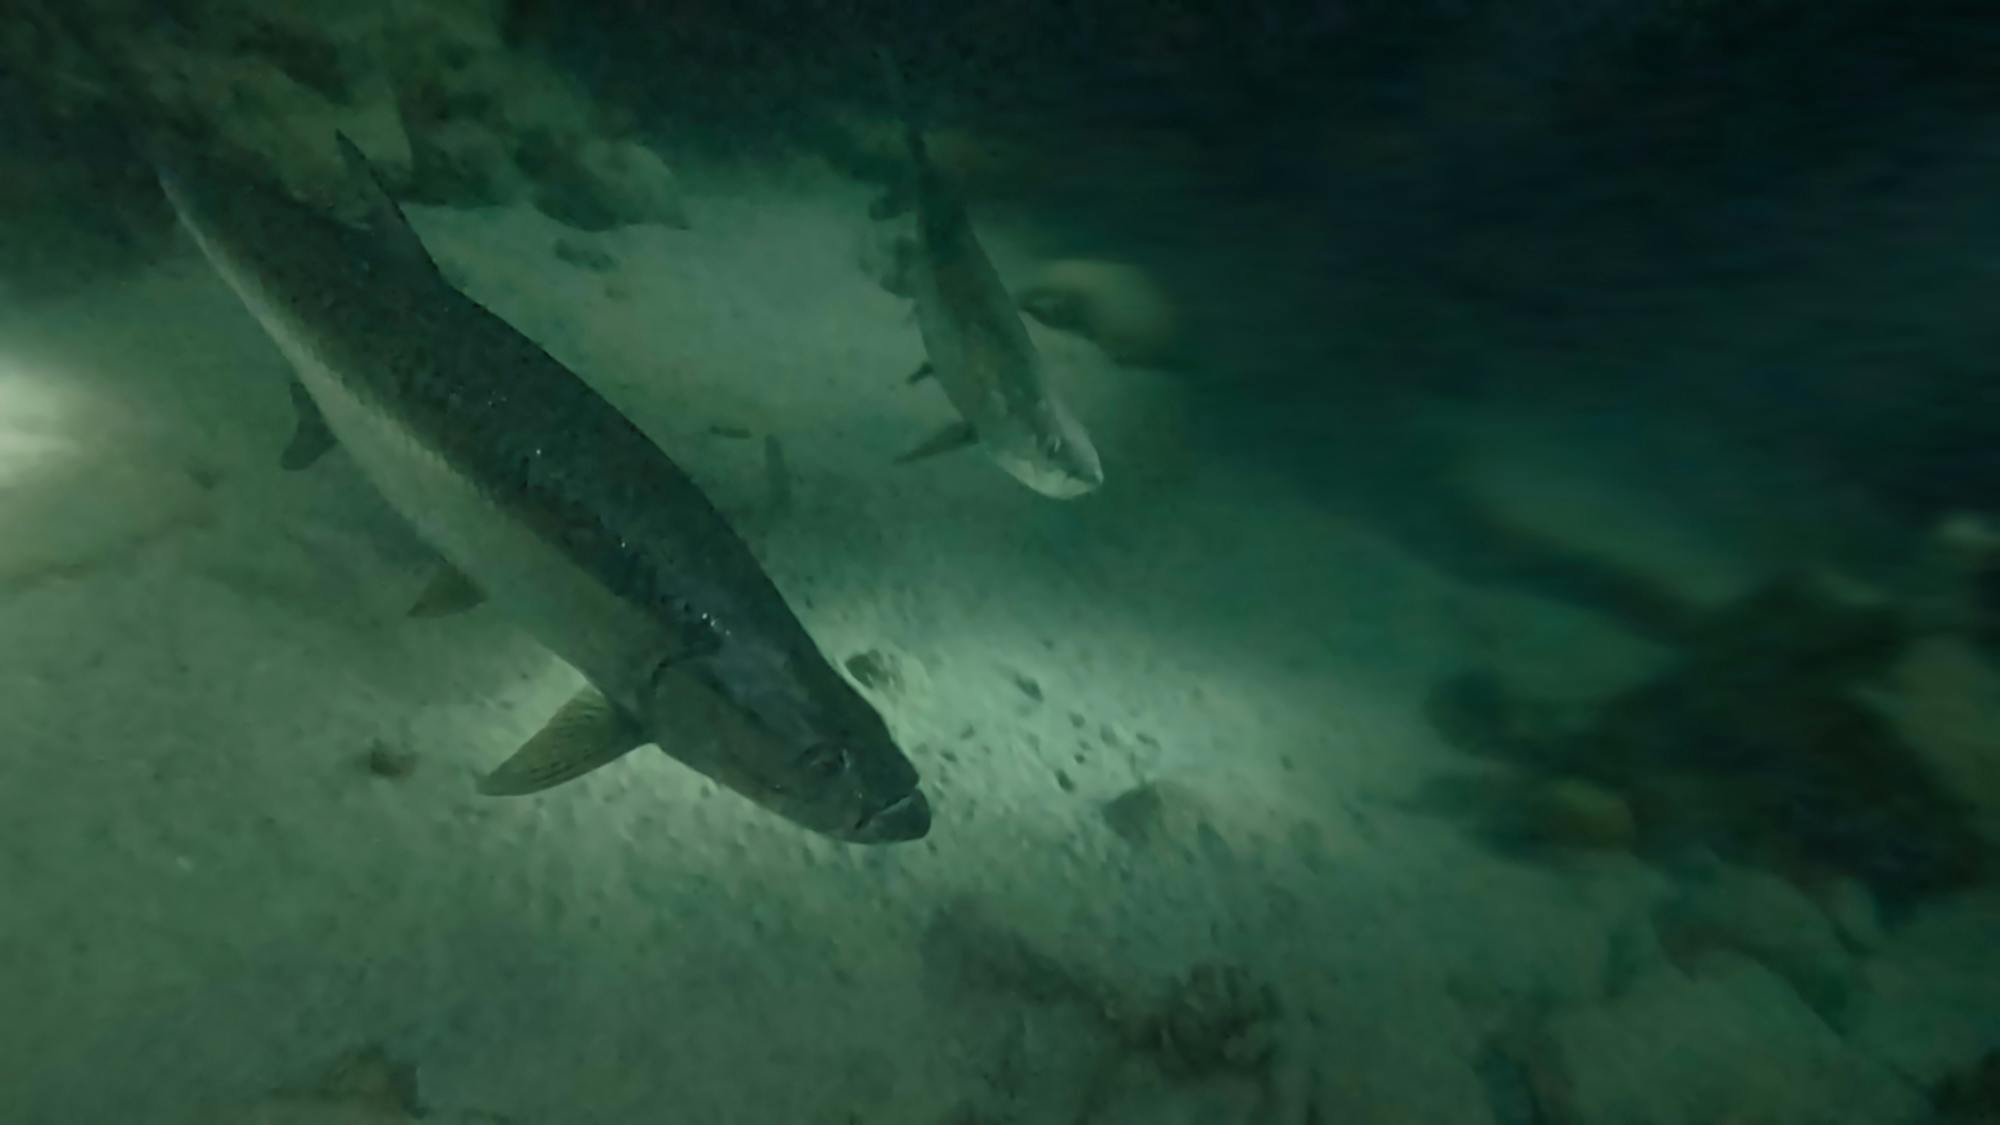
(1788, 211)
(1779, 219)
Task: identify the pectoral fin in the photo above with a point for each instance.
(954, 437)
(450, 592)
(921, 373)
(589, 731)
(310, 436)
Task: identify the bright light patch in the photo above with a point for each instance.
(33, 433)
(75, 488)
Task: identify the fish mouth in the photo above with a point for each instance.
(906, 818)
(1055, 481)
(1067, 486)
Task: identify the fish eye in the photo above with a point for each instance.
(824, 761)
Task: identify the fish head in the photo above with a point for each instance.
(787, 732)
(1051, 453)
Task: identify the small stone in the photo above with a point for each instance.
(1136, 814)
(601, 185)
(391, 762)
(583, 255)
(1028, 686)
(1077, 720)
(1168, 817)
(875, 670)
(462, 162)
(1064, 783)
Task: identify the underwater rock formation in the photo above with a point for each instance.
(443, 106)
(599, 184)
(1217, 1018)
(1760, 916)
(1757, 745)
(1723, 1041)
(1118, 307)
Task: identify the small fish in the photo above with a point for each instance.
(979, 350)
(548, 504)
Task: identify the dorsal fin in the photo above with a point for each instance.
(385, 220)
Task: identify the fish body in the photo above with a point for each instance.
(979, 350)
(555, 507)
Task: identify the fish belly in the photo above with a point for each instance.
(568, 609)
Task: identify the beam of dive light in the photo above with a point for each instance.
(37, 424)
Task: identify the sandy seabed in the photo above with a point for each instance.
(206, 893)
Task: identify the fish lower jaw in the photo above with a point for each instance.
(1052, 483)
(1071, 489)
(903, 820)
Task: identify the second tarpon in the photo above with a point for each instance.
(979, 350)
(552, 506)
